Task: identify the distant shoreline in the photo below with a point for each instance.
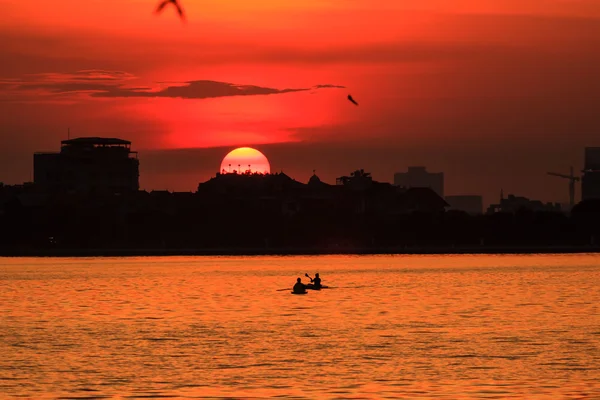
(412, 250)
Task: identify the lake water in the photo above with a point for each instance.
(411, 327)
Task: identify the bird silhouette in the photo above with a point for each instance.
(175, 3)
(352, 100)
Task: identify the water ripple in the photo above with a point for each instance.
(215, 328)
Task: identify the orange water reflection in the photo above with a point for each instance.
(454, 327)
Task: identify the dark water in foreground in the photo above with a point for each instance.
(451, 327)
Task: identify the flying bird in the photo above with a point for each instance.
(175, 3)
(352, 100)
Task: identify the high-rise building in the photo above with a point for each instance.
(590, 181)
(419, 177)
(88, 164)
(592, 158)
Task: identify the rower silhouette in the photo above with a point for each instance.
(175, 3)
(299, 286)
(316, 283)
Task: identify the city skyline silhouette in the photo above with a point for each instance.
(493, 95)
(316, 199)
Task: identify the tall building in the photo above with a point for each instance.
(472, 204)
(590, 181)
(88, 164)
(419, 177)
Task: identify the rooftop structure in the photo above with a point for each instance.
(88, 164)
(96, 141)
(357, 193)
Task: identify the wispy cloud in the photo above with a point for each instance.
(113, 84)
(200, 89)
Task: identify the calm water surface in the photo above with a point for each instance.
(413, 327)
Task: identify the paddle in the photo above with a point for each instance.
(281, 290)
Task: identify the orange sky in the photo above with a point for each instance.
(493, 93)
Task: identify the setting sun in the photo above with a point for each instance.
(245, 159)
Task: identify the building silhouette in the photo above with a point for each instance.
(512, 204)
(88, 164)
(590, 181)
(418, 177)
(72, 208)
(471, 204)
(355, 194)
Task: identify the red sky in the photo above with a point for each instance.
(493, 93)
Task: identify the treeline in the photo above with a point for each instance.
(192, 225)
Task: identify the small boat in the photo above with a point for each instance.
(312, 287)
(299, 292)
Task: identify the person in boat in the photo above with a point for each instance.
(299, 287)
(316, 282)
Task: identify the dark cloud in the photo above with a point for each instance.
(102, 75)
(201, 89)
(329, 86)
(100, 83)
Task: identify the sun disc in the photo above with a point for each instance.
(245, 159)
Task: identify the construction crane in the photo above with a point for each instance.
(572, 179)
